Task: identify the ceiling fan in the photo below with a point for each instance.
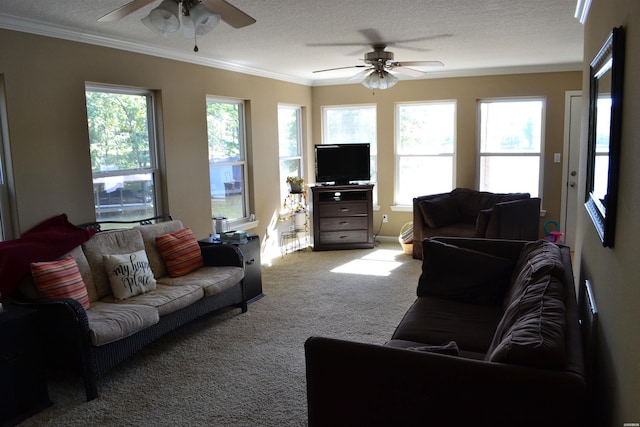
(198, 16)
(379, 63)
(378, 66)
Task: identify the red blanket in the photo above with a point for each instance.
(46, 241)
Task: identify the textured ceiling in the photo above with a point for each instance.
(289, 39)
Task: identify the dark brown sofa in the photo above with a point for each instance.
(493, 339)
(469, 213)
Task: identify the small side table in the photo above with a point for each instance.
(252, 267)
(23, 385)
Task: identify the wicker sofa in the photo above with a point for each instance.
(470, 213)
(93, 340)
(493, 339)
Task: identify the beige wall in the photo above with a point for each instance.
(44, 80)
(614, 272)
(465, 91)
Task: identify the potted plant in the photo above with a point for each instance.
(296, 184)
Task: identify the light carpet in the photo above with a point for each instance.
(234, 369)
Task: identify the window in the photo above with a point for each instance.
(290, 145)
(425, 146)
(352, 125)
(123, 152)
(227, 159)
(511, 145)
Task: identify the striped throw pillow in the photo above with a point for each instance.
(60, 279)
(180, 252)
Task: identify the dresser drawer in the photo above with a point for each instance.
(333, 209)
(343, 237)
(343, 223)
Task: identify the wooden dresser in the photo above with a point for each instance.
(342, 217)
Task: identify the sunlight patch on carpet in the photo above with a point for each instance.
(379, 263)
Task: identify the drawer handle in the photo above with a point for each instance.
(343, 210)
(344, 223)
(343, 237)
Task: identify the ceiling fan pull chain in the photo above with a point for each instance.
(195, 42)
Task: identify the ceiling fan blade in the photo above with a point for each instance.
(372, 35)
(419, 39)
(339, 68)
(361, 74)
(125, 10)
(229, 13)
(419, 64)
(408, 71)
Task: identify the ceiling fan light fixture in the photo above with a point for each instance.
(202, 19)
(379, 80)
(164, 18)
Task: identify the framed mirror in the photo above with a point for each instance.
(605, 127)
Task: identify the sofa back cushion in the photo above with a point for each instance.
(439, 211)
(149, 234)
(461, 274)
(532, 330)
(471, 202)
(537, 258)
(108, 243)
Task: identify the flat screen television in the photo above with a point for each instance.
(342, 164)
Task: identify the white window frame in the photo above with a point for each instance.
(235, 222)
(539, 155)
(399, 155)
(153, 169)
(300, 148)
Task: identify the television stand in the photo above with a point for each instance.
(342, 217)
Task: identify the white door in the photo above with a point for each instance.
(570, 197)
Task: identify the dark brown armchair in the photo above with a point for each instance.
(469, 213)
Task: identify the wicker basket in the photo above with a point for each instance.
(406, 238)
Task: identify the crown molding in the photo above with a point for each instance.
(15, 23)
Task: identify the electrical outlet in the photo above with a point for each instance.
(385, 218)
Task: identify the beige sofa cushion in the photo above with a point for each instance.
(85, 272)
(149, 234)
(165, 299)
(111, 322)
(108, 243)
(212, 279)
